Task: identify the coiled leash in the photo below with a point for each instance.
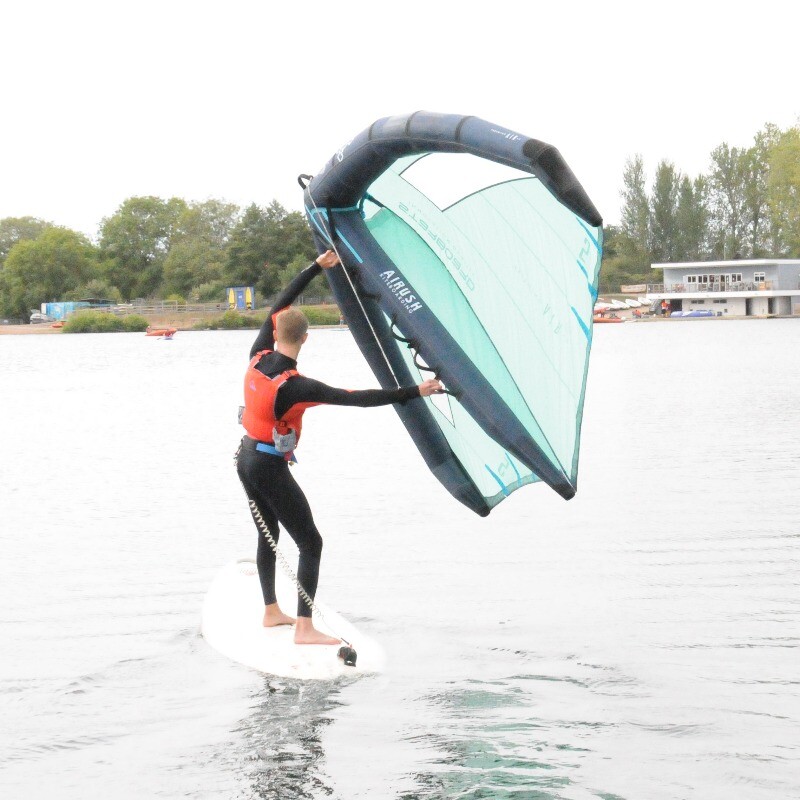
(346, 653)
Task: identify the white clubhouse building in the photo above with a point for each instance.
(745, 288)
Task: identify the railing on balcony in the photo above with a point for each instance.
(739, 286)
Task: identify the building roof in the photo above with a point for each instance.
(741, 262)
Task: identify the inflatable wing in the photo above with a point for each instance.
(471, 253)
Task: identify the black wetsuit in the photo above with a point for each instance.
(267, 479)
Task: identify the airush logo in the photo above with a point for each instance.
(439, 244)
(401, 291)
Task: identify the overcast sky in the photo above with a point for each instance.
(233, 99)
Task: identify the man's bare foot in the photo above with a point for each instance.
(306, 633)
(273, 617)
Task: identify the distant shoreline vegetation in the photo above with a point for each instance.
(233, 320)
(747, 205)
(104, 322)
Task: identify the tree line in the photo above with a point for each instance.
(746, 206)
(153, 248)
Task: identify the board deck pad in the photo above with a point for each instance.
(233, 611)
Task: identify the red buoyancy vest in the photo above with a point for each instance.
(260, 393)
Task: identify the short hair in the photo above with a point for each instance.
(291, 325)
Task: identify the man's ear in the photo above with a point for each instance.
(305, 336)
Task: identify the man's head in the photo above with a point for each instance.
(291, 326)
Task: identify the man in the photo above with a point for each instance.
(276, 396)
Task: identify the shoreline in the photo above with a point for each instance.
(26, 330)
(23, 330)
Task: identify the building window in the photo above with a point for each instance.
(736, 277)
(759, 277)
(719, 301)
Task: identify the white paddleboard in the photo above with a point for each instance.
(233, 613)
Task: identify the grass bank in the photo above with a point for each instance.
(103, 322)
(235, 320)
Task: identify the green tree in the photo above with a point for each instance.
(319, 286)
(290, 236)
(196, 254)
(664, 213)
(756, 166)
(136, 240)
(691, 220)
(190, 263)
(247, 249)
(729, 213)
(264, 244)
(96, 288)
(622, 262)
(17, 229)
(635, 218)
(46, 269)
(783, 191)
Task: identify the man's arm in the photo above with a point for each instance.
(266, 336)
(300, 389)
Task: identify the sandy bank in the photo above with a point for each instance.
(26, 329)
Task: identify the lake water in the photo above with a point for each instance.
(641, 641)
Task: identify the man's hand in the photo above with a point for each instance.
(328, 259)
(430, 387)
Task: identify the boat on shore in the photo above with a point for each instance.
(599, 318)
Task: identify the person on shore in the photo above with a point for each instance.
(276, 396)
